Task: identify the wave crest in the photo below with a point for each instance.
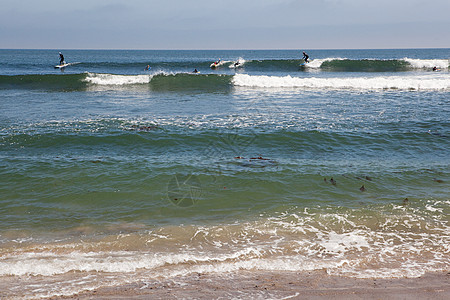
(111, 79)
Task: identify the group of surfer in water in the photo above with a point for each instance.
(216, 63)
(213, 65)
(235, 64)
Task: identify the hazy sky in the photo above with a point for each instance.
(230, 24)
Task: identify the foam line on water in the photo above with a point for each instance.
(418, 82)
(112, 79)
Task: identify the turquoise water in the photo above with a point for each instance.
(110, 172)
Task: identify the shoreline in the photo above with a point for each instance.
(277, 285)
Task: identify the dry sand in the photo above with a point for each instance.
(278, 285)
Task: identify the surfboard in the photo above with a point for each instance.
(303, 63)
(217, 64)
(66, 65)
(62, 66)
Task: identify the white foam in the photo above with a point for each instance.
(428, 63)
(48, 264)
(111, 79)
(412, 82)
(341, 243)
(241, 62)
(396, 245)
(317, 63)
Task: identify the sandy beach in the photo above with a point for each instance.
(278, 285)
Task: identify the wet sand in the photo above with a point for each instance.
(277, 285)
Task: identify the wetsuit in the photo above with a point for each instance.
(305, 57)
(61, 59)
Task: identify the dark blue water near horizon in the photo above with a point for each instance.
(19, 62)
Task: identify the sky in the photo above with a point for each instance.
(220, 24)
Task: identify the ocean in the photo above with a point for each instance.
(111, 174)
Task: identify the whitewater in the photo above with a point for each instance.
(415, 82)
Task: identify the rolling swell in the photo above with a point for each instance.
(217, 142)
(331, 65)
(84, 81)
(366, 65)
(209, 82)
(43, 82)
(346, 65)
(376, 65)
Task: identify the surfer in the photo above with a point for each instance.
(305, 57)
(195, 71)
(61, 59)
(147, 68)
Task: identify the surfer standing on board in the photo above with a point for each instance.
(61, 59)
(305, 57)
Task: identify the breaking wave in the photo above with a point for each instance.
(223, 83)
(420, 82)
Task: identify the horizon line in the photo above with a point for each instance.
(243, 49)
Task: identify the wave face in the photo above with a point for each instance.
(45, 82)
(89, 81)
(376, 65)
